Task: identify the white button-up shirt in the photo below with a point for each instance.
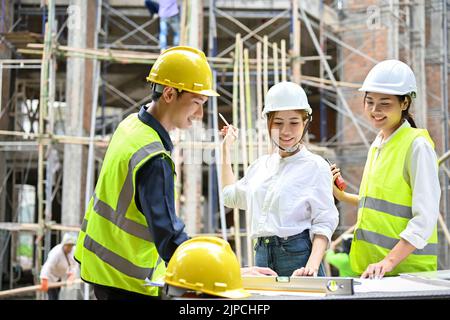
(422, 175)
(286, 196)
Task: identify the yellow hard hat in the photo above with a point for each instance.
(184, 68)
(208, 265)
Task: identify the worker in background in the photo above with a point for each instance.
(169, 19)
(153, 8)
(399, 195)
(340, 260)
(287, 193)
(60, 265)
(130, 230)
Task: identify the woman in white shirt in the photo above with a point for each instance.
(398, 200)
(287, 193)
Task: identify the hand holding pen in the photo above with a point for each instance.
(229, 132)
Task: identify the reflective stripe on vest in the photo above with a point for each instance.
(121, 264)
(389, 243)
(130, 226)
(393, 209)
(126, 194)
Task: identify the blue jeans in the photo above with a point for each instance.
(285, 255)
(164, 24)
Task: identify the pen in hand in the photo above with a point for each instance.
(227, 124)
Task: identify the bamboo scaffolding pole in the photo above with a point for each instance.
(283, 60)
(248, 107)
(266, 78)
(243, 131)
(326, 81)
(276, 75)
(242, 109)
(51, 285)
(265, 67)
(136, 57)
(259, 99)
(119, 59)
(236, 215)
(43, 105)
(124, 56)
(47, 138)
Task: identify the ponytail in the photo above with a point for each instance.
(405, 113)
(408, 117)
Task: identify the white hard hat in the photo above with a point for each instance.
(286, 96)
(391, 77)
(69, 238)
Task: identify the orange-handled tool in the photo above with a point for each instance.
(339, 182)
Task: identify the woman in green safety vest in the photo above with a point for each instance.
(399, 192)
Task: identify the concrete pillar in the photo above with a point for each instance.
(2, 186)
(7, 9)
(5, 87)
(418, 62)
(78, 97)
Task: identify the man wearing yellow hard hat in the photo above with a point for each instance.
(130, 229)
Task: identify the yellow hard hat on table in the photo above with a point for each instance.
(184, 68)
(207, 265)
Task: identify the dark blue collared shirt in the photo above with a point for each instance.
(155, 196)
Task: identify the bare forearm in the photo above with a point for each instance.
(399, 253)
(347, 197)
(319, 246)
(226, 169)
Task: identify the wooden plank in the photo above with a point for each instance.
(51, 285)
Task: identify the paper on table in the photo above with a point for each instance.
(392, 284)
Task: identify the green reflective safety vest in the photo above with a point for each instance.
(115, 247)
(385, 201)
